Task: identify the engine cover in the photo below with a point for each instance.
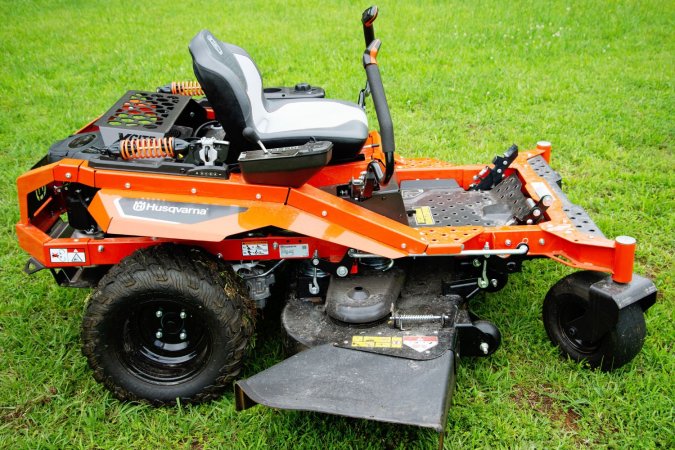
(149, 114)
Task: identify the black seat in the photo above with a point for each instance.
(233, 85)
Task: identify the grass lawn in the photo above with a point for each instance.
(464, 80)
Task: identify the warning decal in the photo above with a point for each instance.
(67, 255)
(376, 341)
(420, 343)
(255, 249)
(423, 216)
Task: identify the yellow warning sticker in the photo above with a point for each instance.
(423, 216)
(377, 342)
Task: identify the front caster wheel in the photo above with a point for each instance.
(167, 323)
(563, 307)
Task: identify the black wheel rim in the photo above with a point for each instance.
(164, 341)
(570, 309)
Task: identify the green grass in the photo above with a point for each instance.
(464, 80)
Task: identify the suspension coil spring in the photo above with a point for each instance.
(139, 148)
(189, 88)
(400, 320)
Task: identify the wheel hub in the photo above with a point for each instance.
(164, 341)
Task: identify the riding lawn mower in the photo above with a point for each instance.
(185, 207)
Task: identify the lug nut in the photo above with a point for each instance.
(182, 335)
(159, 334)
(159, 313)
(183, 314)
(484, 347)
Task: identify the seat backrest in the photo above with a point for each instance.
(226, 84)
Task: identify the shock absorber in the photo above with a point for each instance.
(189, 88)
(140, 148)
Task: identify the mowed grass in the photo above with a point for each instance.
(464, 80)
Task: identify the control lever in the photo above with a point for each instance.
(367, 19)
(381, 108)
(251, 136)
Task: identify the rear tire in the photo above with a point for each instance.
(167, 323)
(614, 349)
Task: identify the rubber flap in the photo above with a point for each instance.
(357, 384)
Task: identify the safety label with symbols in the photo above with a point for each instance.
(67, 255)
(376, 341)
(255, 249)
(423, 216)
(420, 343)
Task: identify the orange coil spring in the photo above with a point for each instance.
(138, 148)
(190, 88)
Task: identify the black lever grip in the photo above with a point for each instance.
(367, 19)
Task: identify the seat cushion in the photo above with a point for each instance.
(342, 123)
(234, 88)
(295, 121)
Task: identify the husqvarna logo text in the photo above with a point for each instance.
(215, 45)
(157, 210)
(142, 205)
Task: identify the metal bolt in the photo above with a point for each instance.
(220, 256)
(315, 261)
(494, 282)
(183, 314)
(342, 271)
(159, 334)
(69, 175)
(542, 241)
(529, 222)
(572, 331)
(101, 248)
(547, 200)
(507, 242)
(484, 347)
(476, 263)
(275, 245)
(182, 335)
(403, 245)
(159, 313)
(324, 213)
(258, 196)
(193, 190)
(127, 185)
